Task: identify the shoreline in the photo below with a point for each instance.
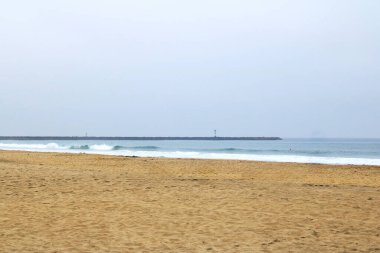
(297, 159)
(274, 163)
(84, 203)
(81, 153)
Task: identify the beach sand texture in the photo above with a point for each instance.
(54, 202)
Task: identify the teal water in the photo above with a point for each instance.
(330, 151)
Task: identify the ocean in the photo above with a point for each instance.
(323, 151)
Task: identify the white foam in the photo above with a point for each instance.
(253, 157)
(108, 150)
(15, 146)
(102, 147)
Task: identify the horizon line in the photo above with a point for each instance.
(139, 138)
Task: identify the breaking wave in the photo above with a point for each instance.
(16, 146)
(117, 147)
(82, 147)
(55, 146)
(271, 155)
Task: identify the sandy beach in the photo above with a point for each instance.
(55, 202)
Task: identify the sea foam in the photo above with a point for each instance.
(153, 151)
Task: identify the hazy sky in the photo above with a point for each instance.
(183, 68)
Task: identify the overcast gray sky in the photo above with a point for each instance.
(183, 68)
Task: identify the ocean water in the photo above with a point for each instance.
(324, 151)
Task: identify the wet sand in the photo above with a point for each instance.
(51, 202)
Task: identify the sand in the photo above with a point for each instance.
(51, 202)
